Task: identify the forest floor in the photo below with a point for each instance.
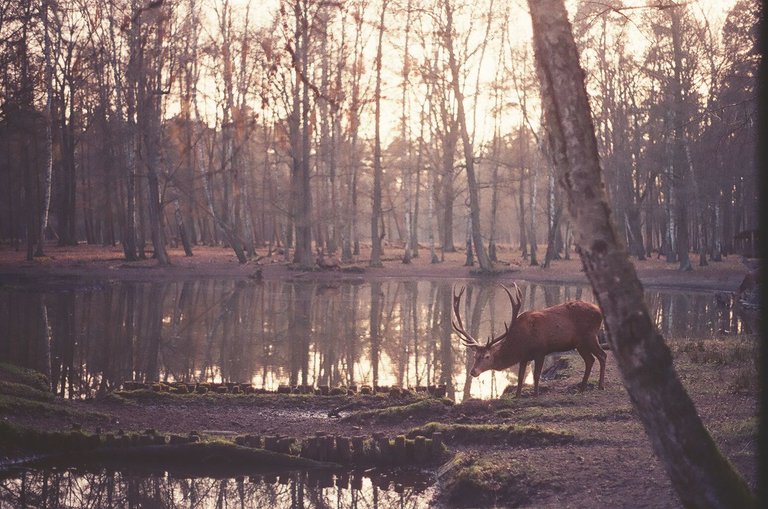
(101, 262)
(603, 458)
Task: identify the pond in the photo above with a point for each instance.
(74, 488)
(89, 338)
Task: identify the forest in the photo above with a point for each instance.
(308, 127)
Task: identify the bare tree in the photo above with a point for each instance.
(469, 156)
(376, 213)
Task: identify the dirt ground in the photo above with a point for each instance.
(607, 460)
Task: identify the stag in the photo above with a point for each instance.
(535, 334)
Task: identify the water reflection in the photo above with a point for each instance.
(70, 488)
(90, 339)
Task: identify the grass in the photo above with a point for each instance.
(737, 430)
(715, 365)
(724, 351)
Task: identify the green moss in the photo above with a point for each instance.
(146, 395)
(427, 407)
(550, 401)
(511, 434)
(24, 376)
(11, 404)
(19, 440)
(20, 390)
(568, 414)
(472, 480)
(205, 455)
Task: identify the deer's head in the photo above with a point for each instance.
(485, 354)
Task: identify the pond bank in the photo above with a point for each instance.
(563, 448)
(99, 262)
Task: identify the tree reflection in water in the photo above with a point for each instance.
(107, 489)
(89, 340)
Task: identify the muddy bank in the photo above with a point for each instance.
(71, 265)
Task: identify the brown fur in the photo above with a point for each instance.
(535, 334)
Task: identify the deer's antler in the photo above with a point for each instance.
(516, 299)
(457, 324)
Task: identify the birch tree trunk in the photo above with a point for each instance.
(700, 474)
(407, 170)
(48, 169)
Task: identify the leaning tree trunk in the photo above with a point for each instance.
(700, 474)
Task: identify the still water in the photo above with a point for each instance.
(89, 338)
(306, 490)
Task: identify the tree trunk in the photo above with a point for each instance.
(377, 170)
(521, 199)
(414, 233)
(407, 173)
(300, 147)
(150, 120)
(447, 191)
(431, 216)
(679, 161)
(129, 238)
(469, 156)
(700, 474)
(48, 168)
(532, 220)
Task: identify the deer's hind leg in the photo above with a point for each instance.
(589, 360)
(588, 353)
(598, 351)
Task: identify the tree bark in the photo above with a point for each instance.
(48, 169)
(129, 237)
(680, 169)
(377, 169)
(700, 474)
(150, 118)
